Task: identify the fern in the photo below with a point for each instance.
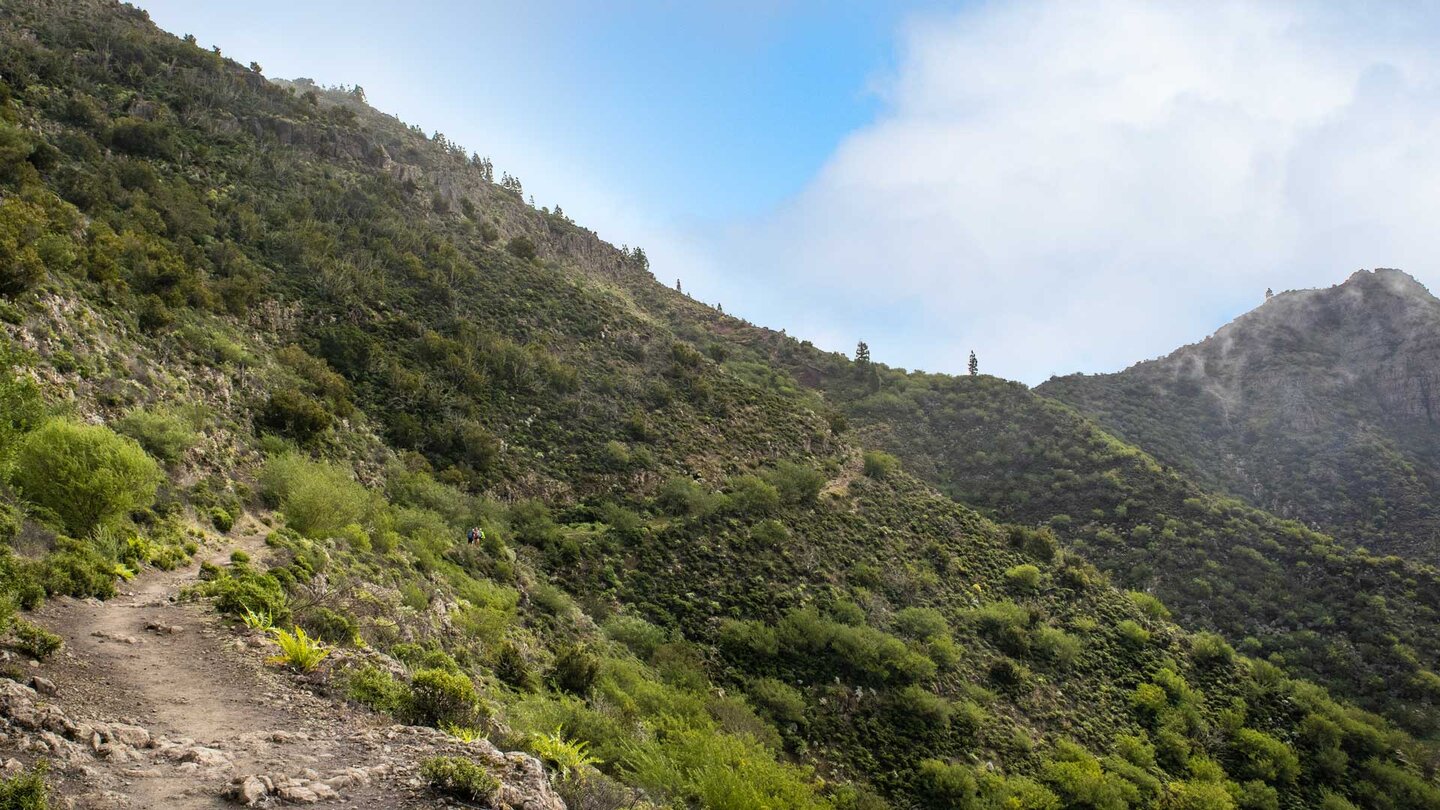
(563, 755)
(258, 620)
(465, 734)
(298, 650)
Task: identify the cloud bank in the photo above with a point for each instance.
(1072, 186)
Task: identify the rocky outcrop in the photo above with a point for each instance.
(30, 723)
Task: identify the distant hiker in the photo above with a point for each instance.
(475, 535)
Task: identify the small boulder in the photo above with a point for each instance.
(249, 791)
(44, 686)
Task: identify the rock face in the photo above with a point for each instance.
(1320, 405)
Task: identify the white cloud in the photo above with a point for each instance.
(1078, 185)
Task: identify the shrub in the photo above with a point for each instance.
(683, 497)
(946, 786)
(459, 777)
(796, 483)
(34, 640)
(222, 520)
(703, 768)
(511, 667)
(921, 707)
(26, 791)
(752, 496)
(749, 638)
(298, 651)
(1080, 781)
(248, 592)
(378, 689)
(574, 671)
(1257, 755)
(318, 499)
(1056, 645)
(330, 625)
(439, 698)
(1132, 633)
(923, 624)
(77, 569)
(1149, 605)
(521, 247)
(294, 415)
(1211, 650)
(782, 702)
(1023, 577)
(86, 474)
(1040, 543)
(880, 465)
(163, 433)
(640, 636)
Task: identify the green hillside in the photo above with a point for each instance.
(1356, 622)
(227, 297)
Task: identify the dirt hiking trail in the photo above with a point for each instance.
(155, 702)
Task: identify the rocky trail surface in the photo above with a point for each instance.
(154, 702)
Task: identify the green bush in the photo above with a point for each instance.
(880, 465)
(753, 497)
(780, 701)
(222, 520)
(86, 474)
(249, 592)
(922, 708)
(439, 698)
(1211, 650)
(796, 483)
(374, 687)
(574, 671)
(1132, 633)
(26, 791)
(1149, 605)
(683, 497)
(922, 624)
(77, 569)
(521, 247)
(1024, 577)
(462, 778)
(34, 640)
(947, 786)
(319, 499)
(703, 768)
(329, 625)
(163, 433)
(1257, 755)
(294, 415)
(640, 636)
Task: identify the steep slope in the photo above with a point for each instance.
(1320, 405)
(693, 582)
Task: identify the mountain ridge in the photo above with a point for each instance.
(1319, 405)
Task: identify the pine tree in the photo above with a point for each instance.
(862, 354)
(974, 364)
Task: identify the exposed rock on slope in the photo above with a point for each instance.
(1320, 405)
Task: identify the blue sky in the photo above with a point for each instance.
(705, 112)
(1060, 185)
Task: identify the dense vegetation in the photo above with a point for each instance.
(233, 299)
(1319, 405)
(1359, 623)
